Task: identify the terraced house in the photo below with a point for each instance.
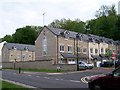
(64, 47)
(12, 52)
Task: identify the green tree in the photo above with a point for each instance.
(25, 35)
(76, 25)
(117, 31)
(108, 53)
(106, 11)
(106, 24)
(8, 38)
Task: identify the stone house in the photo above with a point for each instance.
(60, 45)
(12, 52)
(64, 47)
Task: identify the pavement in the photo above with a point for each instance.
(70, 72)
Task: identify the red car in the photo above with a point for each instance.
(105, 82)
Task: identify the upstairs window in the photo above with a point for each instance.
(84, 50)
(44, 44)
(96, 51)
(102, 51)
(69, 49)
(91, 50)
(61, 48)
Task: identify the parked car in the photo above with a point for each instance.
(109, 81)
(117, 63)
(84, 65)
(107, 64)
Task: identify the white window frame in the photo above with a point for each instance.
(44, 46)
(95, 51)
(102, 50)
(83, 50)
(61, 48)
(91, 51)
(70, 49)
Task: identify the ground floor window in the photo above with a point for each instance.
(62, 60)
(71, 61)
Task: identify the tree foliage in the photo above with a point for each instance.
(106, 11)
(108, 53)
(106, 24)
(76, 25)
(8, 38)
(24, 35)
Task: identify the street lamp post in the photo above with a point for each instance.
(14, 64)
(77, 37)
(23, 56)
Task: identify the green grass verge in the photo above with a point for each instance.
(38, 70)
(42, 70)
(10, 86)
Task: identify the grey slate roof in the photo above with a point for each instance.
(58, 32)
(83, 37)
(71, 34)
(67, 55)
(20, 46)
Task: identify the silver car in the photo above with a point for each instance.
(84, 65)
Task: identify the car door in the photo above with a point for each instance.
(82, 65)
(116, 78)
(112, 80)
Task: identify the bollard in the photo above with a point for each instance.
(19, 70)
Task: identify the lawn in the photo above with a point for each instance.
(39, 70)
(10, 86)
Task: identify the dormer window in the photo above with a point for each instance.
(61, 33)
(14, 47)
(66, 33)
(81, 38)
(101, 40)
(93, 40)
(77, 36)
(26, 48)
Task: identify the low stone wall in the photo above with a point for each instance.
(66, 67)
(40, 64)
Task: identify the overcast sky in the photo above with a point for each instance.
(19, 13)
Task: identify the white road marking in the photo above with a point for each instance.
(54, 73)
(61, 79)
(75, 81)
(29, 75)
(83, 79)
(38, 76)
(57, 79)
(46, 77)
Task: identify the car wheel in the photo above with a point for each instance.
(86, 67)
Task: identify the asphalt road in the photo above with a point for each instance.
(50, 80)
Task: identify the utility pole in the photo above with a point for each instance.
(43, 19)
(77, 37)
